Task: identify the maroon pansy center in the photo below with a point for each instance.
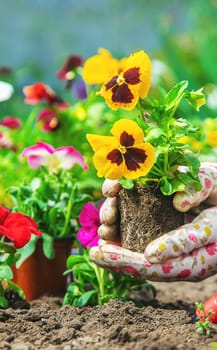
(119, 85)
(131, 76)
(132, 156)
(122, 94)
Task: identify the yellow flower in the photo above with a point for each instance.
(191, 141)
(99, 68)
(125, 154)
(211, 138)
(198, 98)
(124, 88)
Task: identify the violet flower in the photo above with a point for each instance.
(79, 89)
(90, 222)
(70, 73)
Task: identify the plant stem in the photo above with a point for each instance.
(68, 213)
(100, 275)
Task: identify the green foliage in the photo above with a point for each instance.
(54, 202)
(176, 167)
(8, 257)
(94, 285)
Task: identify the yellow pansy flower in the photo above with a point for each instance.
(194, 143)
(99, 68)
(211, 138)
(125, 154)
(124, 88)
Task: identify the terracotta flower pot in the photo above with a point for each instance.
(145, 214)
(39, 275)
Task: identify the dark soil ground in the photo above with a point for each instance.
(166, 322)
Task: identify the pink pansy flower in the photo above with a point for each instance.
(11, 122)
(5, 142)
(90, 222)
(43, 154)
(48, 119)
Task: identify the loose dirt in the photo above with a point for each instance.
(164, 323)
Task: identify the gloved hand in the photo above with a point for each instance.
(186, 253)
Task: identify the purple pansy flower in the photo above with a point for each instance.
(90, 222)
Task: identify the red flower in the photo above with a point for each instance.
(39, 92)
(48, 119)
(11, 122)
(17, 227)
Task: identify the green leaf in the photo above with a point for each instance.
(16, 288)
(165, 186)
(11, 259)
(6, 247)
(3, 302)
(85, 298)
(174, 96)
(5, 272)
(52, 215)
(27, 250)
(128, 184)
(48, 246)
(73, 260)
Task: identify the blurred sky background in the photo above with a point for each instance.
(37, 35)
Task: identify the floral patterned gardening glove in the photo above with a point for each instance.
(186, 253)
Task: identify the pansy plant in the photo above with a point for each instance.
(148, 149)
(52, 198)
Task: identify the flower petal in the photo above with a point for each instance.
(69, 156)
(97, 141)
(40, 149)
(89, 215)
(120, 96)
(141, 59)
(142, 168)
(3, 214)
(130, 127)
(37, 154)
(97, 69)
(106, 167)
(6, 91)
(88, 237)
(19, 228)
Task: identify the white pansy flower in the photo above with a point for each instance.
(6, 91)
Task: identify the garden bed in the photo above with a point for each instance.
(165, 323)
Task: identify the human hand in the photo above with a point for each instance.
(187, 253)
